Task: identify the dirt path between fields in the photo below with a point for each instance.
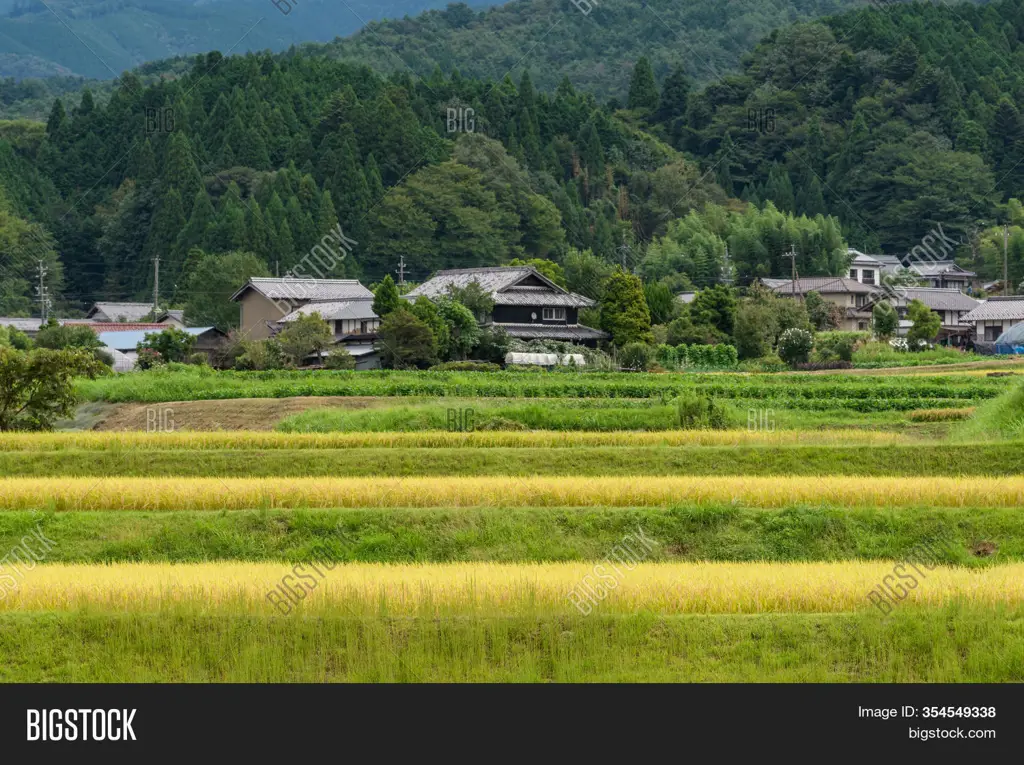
(223, 414)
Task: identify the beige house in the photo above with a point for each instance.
(267, 302)
(951, 305)
(853, 296)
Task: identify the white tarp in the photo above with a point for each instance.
(546, 359)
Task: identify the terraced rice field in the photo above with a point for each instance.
(848, 547)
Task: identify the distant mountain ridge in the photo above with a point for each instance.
(102, 38)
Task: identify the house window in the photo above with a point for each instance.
(853, 273)
(362, 328)
(868, 276)
(861, 326)
(554, 314)
(862, 300)
(992, 333)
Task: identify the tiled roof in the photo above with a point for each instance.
(935, 298)
(303, 290)
(516, 296)
(24, 325)
(489, 279)
(552, 332)
(336, 310)
(118, 326)
(503, 284)
(939, 268)
(117, 311)
(997, 309)
(821, 284)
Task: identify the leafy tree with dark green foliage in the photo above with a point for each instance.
(405, 342)
(884, 320)
(307, 335)
(475, 298)
(926, 324)
(624, 312)
(212, 280)
(172, 344)
(662, 302)
(463, 329)
(427, 311)
(716, 307)
(386, 298)
(824, 314)
(37, 387)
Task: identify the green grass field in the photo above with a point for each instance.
(935, 645)
(833, 430)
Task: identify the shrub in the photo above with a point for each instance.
(666, 356)
(832, 346)
(260, 355)
(466, 366)
(635, 357)
(339, 358)
(197, 359)
(719, 356)
(795, 345)
(700, 413)
(172, 344)
(149, 358)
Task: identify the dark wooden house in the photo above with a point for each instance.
(527, 304)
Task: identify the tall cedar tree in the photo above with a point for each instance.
(624, 312)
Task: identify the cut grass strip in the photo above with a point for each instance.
(979, 536)
(616, 586)
(29, 442)
(64, 494)
(912, 645)
(993, 459)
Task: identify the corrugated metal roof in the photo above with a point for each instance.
(129, 341)
(936, 298)
(336, 310)
(997, 309)
(301, 290)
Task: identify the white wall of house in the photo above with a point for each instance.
(990, 329)
(354, 326)
(865, 275)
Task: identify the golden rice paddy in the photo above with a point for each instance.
(435, 439)
(169, 493)
(666, 589)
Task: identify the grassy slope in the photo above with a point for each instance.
(874, 460)
(950, 644)
(713, 533)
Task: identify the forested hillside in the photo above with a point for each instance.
(595, 44)
(897, 121)
(102, 38)
(872, 128)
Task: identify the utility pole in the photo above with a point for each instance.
(401, 270)
(792, 272)
(156, 286)
(43, 299)
(1006, 270)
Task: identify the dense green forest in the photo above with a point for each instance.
(594, 44)
(871, 128)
